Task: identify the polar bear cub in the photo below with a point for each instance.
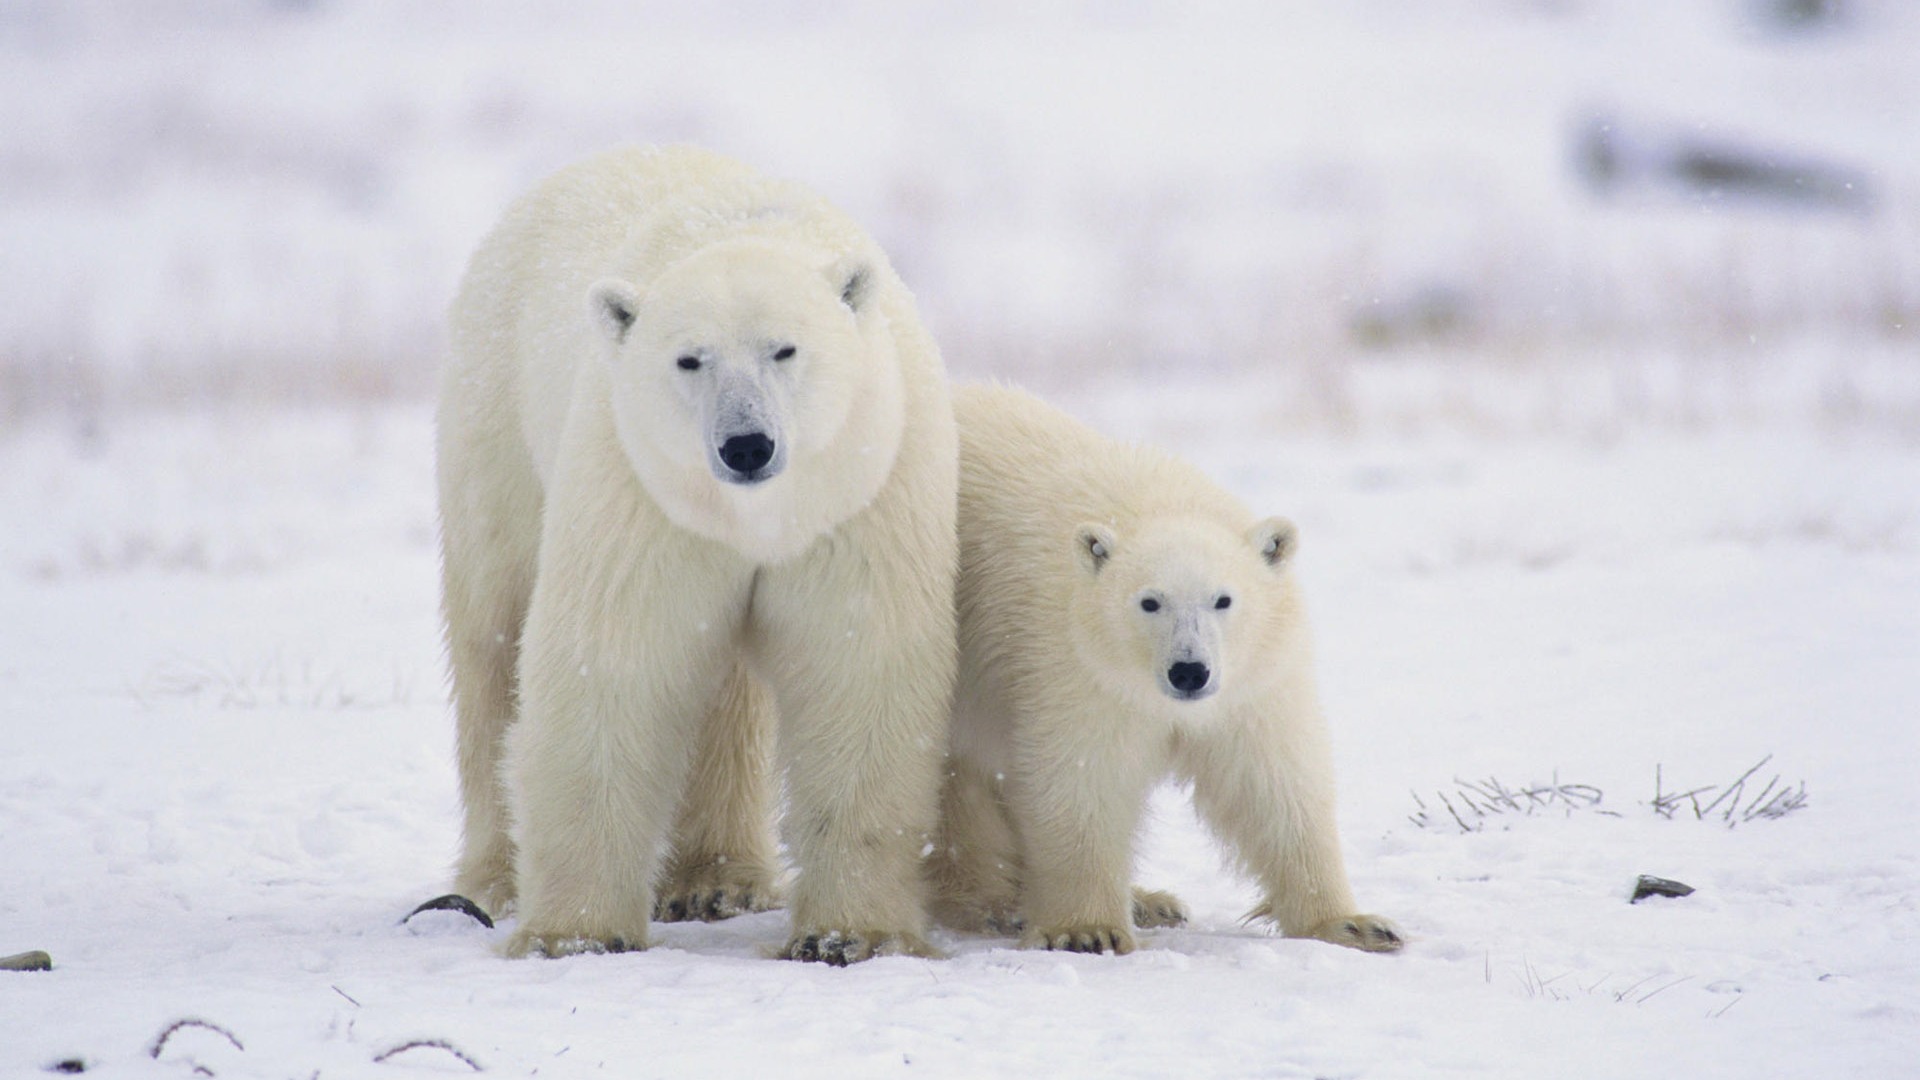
(1122, 618)
(697, 471)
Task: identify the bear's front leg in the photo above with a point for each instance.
(632, 630)
(1263, 782)
(1079, 785)
(860, 655)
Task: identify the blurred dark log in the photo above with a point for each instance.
(1704, 168)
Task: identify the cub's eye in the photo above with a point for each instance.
(785, 353)
(689, 363)
(1149, 605)
(1223, 603)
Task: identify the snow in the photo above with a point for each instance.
(228, 776)
(1654, 503)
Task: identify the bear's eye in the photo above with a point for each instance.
(1149, 605)
(785, 353)
(1223, 603)
(689, 363)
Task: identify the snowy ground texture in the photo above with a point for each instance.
(227, 777)
(1594, 486)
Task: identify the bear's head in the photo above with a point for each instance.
(755, 390)
(1179, 610)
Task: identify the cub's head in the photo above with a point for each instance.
(1181, 610)
(758, 398)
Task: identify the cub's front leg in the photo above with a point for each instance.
(1264, 783)
(1079, 785)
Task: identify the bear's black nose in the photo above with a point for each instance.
(1188, 677)
(746, 454)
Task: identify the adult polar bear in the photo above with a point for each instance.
(1122, 617)
(697, 466)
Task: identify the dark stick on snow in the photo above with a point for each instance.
(431, 1044)
(160, 1042)
(454, 902)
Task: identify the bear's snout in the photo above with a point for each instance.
(746, 455)
(1189, 678)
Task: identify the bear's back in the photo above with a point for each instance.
(1030, 473)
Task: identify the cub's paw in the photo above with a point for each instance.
(1085, 938)
(555, 945)
(1153, 908)
(715, 890)
(1368, 933)
(839, 948)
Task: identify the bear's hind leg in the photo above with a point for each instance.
(974, 868)
(488, 535)
(724, 861)
(1154, 908)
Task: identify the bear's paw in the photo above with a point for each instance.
(1085, 938)
(715, 889)
(839, 948)
(1368, 933)
(1153, 908)
(553, 946)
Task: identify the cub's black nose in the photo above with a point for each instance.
(1188, 677)
(746, 454)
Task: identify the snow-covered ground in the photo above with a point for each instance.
(1590, 486)
(226, 776)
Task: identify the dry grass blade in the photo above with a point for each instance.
(431, 1044)
(160, 1041)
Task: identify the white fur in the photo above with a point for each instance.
(624, 611)
(1065, 713)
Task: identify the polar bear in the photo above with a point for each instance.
(1122, 619)
(697, 466)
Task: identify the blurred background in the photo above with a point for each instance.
(1495, 215)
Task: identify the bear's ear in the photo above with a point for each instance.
(612, 303)
(853, 279)
(1093, 544)
(1276, 540)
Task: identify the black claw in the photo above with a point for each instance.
(676, 910)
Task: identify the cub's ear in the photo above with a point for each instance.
(1093, 545)
(1276, 540)
(612, 303)
(853, 279)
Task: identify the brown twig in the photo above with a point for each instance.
(160, 1042)
(431, 1044)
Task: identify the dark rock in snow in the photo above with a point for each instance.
(1648, 885)
(27, 961)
